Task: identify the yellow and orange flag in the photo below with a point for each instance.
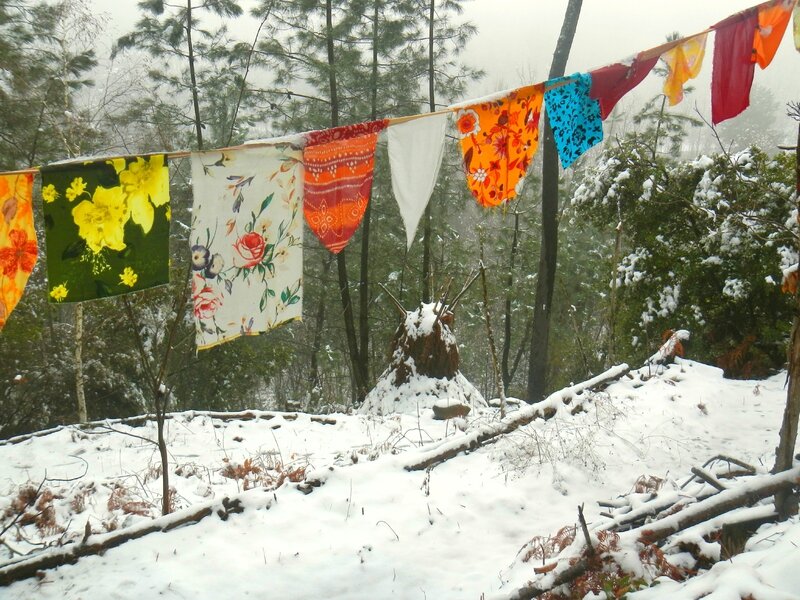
(18, 249)
(684, 62)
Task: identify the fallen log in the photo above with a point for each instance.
(707, 509)
(28, 566)
(546, 409)
(735, 497)
(247, 415)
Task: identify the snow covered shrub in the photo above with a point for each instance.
(700, 246)
(561, 441)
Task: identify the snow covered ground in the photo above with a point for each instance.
(373, 530)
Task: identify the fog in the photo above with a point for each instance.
(516, 38)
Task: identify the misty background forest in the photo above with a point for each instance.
(668, 224)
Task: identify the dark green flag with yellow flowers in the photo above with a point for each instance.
(106, 226)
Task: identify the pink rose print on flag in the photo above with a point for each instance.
(249, 249)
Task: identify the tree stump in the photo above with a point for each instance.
(423, 368)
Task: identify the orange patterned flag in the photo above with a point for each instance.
(18, 250)
(684, 62)
(338, 180)
(498, 140)
(772, 22)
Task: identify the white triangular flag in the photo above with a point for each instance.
(415, 155)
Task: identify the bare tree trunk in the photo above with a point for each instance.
(784, 453)
(508, 317)
(363, 290)
(545, 282)
(79, 390)
(359, 383)
(427, 234)
(195, 101)
(498, 378)
(316, 344)
(612, 316)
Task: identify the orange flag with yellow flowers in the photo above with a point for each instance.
(18, 250)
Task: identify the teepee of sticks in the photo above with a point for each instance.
(423, 370)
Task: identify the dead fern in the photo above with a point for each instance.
(604, 574)
(247, 472)
(744, 361)
(541, 548)
(120, 499)
(78, 501)
(647, 483)
(26, 497)
(789, 283)
(45, 517)
(269, 475)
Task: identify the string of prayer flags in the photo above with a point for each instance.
(772, 22)
(684, 62)
(247, 241)
(611, 83)
(574, 116)
(498, 140)
(18, 249)
(732, 75)
(797, 27)
(415, 155)
(106, 226)
(339, 164)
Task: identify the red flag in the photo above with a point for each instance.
(611, 83)
(732, 76)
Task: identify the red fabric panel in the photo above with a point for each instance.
(611, 83)
(345, 132)
(732, 76)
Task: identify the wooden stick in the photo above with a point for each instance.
(585, 529)
(403, 312)
(469, 283)
(708, 478)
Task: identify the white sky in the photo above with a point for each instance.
(516, 38)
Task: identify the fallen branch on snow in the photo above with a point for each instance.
(247, 415)
(95, 544)
(713, 509)
(545, 409)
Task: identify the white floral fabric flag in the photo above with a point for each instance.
(247, 237)
(415, 155)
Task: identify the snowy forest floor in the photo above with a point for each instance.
(374, 530)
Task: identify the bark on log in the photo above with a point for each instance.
(652, 508)
(718, 504)
(543, 410)
(95, 544)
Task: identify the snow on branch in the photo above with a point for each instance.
(670, 348)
